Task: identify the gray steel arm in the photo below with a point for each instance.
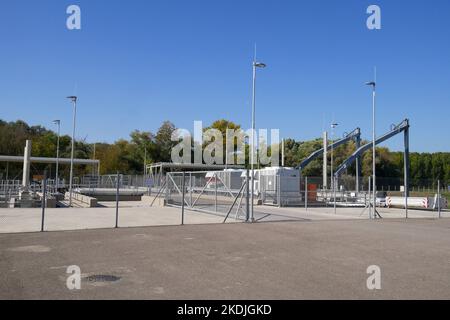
(355, 134)
(396, 130)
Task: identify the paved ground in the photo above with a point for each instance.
(279, 260)
(130, 215)
(134, 214)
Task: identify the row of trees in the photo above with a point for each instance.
(127, 156)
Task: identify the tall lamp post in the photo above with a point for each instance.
(374, 189)
(333, 178)
(255, 65)
(74, 103)
(58, 124)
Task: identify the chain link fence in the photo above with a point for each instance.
(225, 195)
(222, 193)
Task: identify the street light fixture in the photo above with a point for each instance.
(74, 102)
(58, 124)
(255, 65)
(373, 85)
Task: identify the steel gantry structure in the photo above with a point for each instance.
(354, 135)
(396, 129)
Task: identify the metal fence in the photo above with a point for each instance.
(110, 181)
(212, 197)
(218, 192)
(10, 190)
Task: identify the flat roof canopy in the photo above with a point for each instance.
(172, 165)
(49, 160)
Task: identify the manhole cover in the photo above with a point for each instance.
(101, 278)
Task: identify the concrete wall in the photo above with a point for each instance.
(159, 202)
(91, 202)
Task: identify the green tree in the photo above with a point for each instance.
(164, 143)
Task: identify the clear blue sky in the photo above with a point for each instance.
(137, 63)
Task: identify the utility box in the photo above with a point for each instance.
(279, 186)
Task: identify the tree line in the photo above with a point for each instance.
(129, 155)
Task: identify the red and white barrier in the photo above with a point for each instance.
(416, 202)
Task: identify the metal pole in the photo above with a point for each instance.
(406, 168)
(190, 188)
(44, 194)
(117, 198)
(253, 139)
(332, 158)
(406, 203)
(93, 158)
(370, 197)
(247, 197)
(306, 193)
(145, 166)
(58, 122)
(182, 199)
(255, 65)
(278, 177)
(74, 101)
(374, 188)
(325, 161)
(334, 192)
(215, 189)
(358, 164)
(333, 178)
(439, 198)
